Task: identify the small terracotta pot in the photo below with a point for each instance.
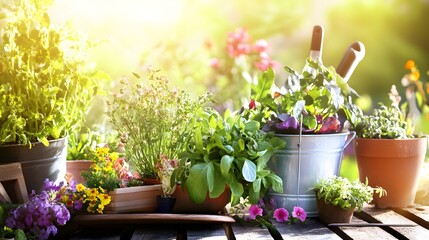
(393, 164)
(210, 206)
(329, 213)
(75, 167)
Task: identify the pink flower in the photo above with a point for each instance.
(214, 63)
(238, 43)
(254, 211)
(260, 46)
(281, 215)
(299, 212)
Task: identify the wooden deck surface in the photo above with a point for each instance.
(372, 223)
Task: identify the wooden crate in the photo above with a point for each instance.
(140, 199)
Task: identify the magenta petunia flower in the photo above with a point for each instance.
(254, 211)
(281, 215)
(299, 212)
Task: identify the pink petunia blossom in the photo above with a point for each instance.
(254, 211)
(281, 215)
(299, 212)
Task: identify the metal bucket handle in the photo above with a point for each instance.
(350, 137)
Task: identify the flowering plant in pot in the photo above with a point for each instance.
(228, 151)
(156, 119)
(309, 115)
(386, 146)
(44, 214)
(342, 196)
(46, 86)
(109, 171)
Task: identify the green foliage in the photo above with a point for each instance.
(228, 150)
(158, 120)
(386, 122)
(82, 142)
(341, 192)
(46, 81)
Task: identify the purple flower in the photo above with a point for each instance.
(299, 212)
(254, 211)
(281, 215)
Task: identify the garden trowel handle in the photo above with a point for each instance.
(354, 54)
(317, 43)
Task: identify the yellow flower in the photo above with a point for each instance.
(80, 187)
(114, 156)
(104, 199)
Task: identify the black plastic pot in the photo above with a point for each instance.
(165, 204)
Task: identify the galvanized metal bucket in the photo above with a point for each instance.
(303, 161)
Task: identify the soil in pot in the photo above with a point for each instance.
(329, 213)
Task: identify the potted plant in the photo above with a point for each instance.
(338, 198)
(165, 168)
(156, 119)
(386, 148)
(309, 116)
(45, 214)
(228, 153)
(82, 142)
(111, 172)
(46, 86)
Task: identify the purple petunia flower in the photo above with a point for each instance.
(254, 211)
(281, 215)
(299, 212)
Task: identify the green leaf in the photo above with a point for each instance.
(198, 139)
(257, 185)
(210, 176)
(277, 182)
(44, 140)
(249, 170)
(196, 183)
(225, 164)
(252, 126)
(241, 144)
(235, 186)
(310, 121)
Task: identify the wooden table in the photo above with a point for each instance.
(371, 223)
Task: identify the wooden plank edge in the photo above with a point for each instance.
(411, 216)
(370, 219)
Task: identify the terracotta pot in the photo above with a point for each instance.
(393, 164)
(329, 213)
(75, 167)
(210, 206)
(133, 199)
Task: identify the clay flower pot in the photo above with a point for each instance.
(210, 206)
(393, 164)
(75, 167)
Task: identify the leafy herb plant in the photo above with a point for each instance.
(387, 122)
(314, 97)
(46, 80)
(156, 118)
(228, 150)
(341, 192)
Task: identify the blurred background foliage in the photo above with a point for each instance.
(180, 37)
